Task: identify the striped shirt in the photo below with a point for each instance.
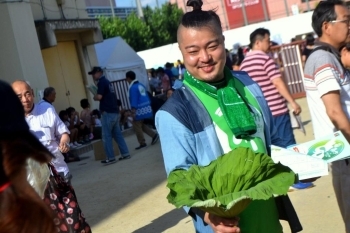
(323, 73)
(262, 69)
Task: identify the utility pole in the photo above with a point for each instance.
(244, 13)
(112, 8)
(139, 9)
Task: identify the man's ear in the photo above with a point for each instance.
(33, 92)
(325, 27)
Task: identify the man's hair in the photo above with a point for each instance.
(324, 12)
(84, 103)
(48, 91)
(198, 18)
(62, 114)
(70, 110)
(258, 34)
(310, 39)
(131, 74)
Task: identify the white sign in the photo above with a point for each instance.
(304, 165)
(237, 3)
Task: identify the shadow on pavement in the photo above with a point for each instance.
(164, 222)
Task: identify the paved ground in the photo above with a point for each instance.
(130, 196)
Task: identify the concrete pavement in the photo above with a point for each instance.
(130, 196)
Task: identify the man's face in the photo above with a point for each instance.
(25, 95)
(52, 97)
(338, 30)
(96, 75)
(203, 52)
(264, 44)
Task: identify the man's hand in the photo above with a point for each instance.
(296, 108)
(222, 225)
(97, 97)
(64, 143)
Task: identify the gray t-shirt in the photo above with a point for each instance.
(324, 73)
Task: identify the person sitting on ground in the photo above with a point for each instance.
(97, 116)
(21, 208)
(75, 122)
(87, 117)
(73, 131)
(126, 119)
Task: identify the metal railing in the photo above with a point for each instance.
(121, 89)
(288, 57)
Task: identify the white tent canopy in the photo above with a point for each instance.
(157, 57)
(116, 57)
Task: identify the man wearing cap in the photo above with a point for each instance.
(46, 126)
(109, 117)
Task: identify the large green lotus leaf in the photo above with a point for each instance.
(228, 184)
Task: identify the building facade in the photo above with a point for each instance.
(233, 15)
(46, 43)
(120, 12)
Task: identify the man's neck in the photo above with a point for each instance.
(28, 113)
(330, 42)
(47, 100)
(257, 50)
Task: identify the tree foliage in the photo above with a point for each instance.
(157, 28)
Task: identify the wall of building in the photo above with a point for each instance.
(100, 3)
(279, 9)
(20, 51)
(231, 14)
(48, 9)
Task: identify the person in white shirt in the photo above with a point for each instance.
(45, 124)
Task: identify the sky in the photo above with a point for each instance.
(132, 3)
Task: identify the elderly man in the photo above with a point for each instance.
(109, 117)
(327, 87)
(46, 126)
(49, 95)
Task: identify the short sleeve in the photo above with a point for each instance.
(101, 87)
(327, 73)
(272, 69)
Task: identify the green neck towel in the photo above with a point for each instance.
(233, 107)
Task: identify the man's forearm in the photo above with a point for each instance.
(283, 90)
(341, 122)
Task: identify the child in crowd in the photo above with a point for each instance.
(75, 122)
(73, 131)
(126, 119)
(97, 116)
(98, 125)
(87, 117)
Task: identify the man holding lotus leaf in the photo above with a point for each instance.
(215, 132)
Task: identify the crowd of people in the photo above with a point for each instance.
(196, 124)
